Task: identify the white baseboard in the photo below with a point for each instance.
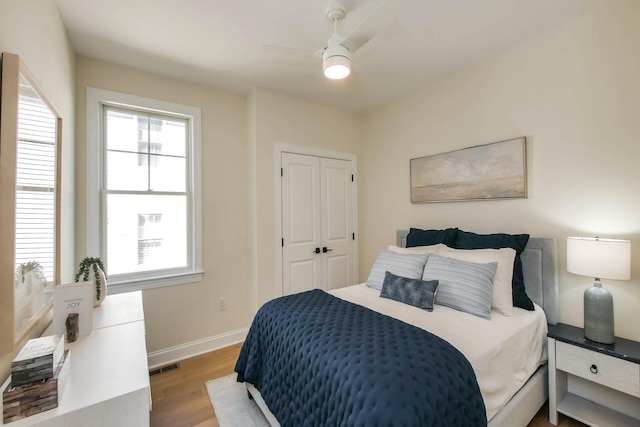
(184, 351)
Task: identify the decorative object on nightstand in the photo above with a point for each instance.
(92, 269)
(37, 360)
(600, 259)
(73, 298)
(39, 374)
(73, 328)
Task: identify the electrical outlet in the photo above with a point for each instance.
(222, 304)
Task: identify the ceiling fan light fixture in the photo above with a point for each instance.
(336, 62)
(337, 68)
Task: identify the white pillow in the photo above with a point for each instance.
(431, 249)
(502, 300)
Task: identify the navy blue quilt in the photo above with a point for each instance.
(318, 360)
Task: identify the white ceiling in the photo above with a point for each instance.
(219, 43)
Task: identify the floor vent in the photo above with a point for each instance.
(164, 369)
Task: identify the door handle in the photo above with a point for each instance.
(325, 250)
(316, 251)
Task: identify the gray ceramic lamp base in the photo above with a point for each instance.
(598, 314)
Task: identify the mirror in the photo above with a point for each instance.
(30, 132)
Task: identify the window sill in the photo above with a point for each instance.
(153, 283)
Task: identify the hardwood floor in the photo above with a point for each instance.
(180, 397)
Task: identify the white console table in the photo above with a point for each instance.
(109, 380)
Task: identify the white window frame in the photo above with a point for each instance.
(95, 226)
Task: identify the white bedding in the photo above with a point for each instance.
(504, 351)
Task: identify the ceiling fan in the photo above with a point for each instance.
(337, 54)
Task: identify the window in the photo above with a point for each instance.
(143, 190)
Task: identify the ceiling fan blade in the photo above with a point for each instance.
(365, 46)
(300, 51)
(379, 17)
(354, 79)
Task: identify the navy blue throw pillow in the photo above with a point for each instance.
(469, 240)
(418, 237)
(415, 292)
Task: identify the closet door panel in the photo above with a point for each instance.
(336, 219)
(301, 226)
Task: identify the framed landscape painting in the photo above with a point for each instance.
(483, 172)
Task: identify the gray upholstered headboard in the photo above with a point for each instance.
(540, 269)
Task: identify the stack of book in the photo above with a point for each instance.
(39, 374)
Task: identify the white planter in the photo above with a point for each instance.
(103, 286)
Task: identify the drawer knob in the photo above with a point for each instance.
(594, 369)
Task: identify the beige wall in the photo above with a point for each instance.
(182, 314)
(34, 31)
(573, 92)
(279, 119)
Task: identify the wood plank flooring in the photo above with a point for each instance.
(180, 397)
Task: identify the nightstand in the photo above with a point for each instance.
(597, 384)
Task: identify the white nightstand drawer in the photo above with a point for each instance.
(597, 367)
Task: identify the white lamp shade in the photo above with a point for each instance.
(336, 62)
(599, 258)
(337, 71)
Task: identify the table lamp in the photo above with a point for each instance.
(601, 259)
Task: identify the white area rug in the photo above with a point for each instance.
(232, 404)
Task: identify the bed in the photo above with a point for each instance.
(511, 399)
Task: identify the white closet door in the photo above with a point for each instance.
(336, 223)
(301, 227)
(317, 223)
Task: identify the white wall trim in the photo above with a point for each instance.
(309, 151)
(195, 348)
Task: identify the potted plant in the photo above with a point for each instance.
(92, 268)
(28, 273)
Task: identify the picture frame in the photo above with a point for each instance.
(492, 171)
